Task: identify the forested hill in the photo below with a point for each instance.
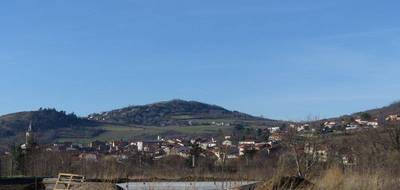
(378, 113)
(42, 120)
(393, 108)
(174, 112)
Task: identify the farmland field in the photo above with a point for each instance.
(113, 132)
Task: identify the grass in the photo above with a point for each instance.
(75, 140)
(128, 132)
(183, 117)
(157, 130)
(120, 128)
(113, 132)
(334, 178)
(196, 129)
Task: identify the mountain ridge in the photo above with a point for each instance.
(375, 113)
(173, 112)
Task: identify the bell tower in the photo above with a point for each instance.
(29, 136)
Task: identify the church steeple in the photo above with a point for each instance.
(30, 127)
(29, 136)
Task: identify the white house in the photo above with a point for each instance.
(274, 129)
(351, 127)
(393, 118)
(373, 124)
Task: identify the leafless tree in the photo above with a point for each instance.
(304, 151)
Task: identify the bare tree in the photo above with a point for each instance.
(304, 150)
(393, 130)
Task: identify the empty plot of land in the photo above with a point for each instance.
(186, 185)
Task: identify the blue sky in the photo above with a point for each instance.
(277, 58)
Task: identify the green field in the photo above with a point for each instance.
(115, 132)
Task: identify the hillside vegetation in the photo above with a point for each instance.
(49, 124)
(175, 113)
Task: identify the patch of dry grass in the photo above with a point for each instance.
(335, 179)
(96, 186)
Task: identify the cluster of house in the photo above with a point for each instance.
(340, 125)
(160, 148)
(358, 123)
(321, 153)
(335, 125)
(393, 118)
(346, 125)
(318, 152)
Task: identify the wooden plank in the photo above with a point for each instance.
(68, 181)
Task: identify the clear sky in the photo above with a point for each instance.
(277, 58)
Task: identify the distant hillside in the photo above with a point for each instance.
(49, 123)
(175, 112)
(379, 113)
(393, 108)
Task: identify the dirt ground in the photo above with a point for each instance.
(96, 186)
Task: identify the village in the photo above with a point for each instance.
(221, 151)
(243, 153)
(155, 149)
